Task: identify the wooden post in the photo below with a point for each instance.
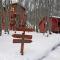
(22, 44)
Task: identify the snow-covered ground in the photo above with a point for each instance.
(41, 48)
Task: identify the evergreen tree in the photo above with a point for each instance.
(1, 17)
(7, 16)
(0, 25)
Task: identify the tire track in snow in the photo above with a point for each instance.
(47, 53)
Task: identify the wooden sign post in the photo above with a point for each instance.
(22, 38)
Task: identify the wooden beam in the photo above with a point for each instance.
(22, 48)
(20, 36)
(21, 41)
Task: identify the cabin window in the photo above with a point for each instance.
(58, 24)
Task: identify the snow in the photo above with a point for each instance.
(41, 48)
(54, 55)
(56, 16)
(14, 1)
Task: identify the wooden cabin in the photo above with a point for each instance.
(55, 24)
(15, 11)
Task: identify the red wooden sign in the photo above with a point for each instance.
(22, 38)
(21, 41)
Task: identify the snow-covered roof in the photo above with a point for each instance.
(14, 1)
(56, 16)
